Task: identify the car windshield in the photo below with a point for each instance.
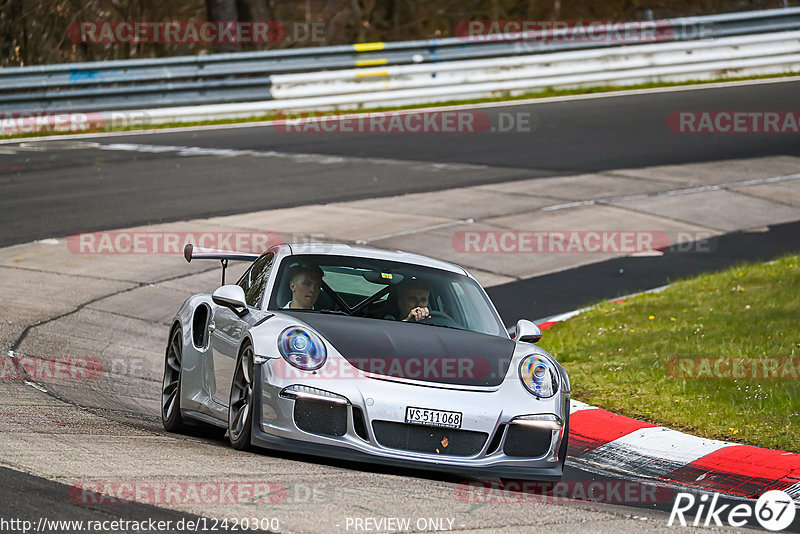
(383, 290)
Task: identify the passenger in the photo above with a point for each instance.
(305, 283)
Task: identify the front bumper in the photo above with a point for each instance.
(490, 412)
(545, 474)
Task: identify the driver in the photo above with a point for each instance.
(412, 301)
(305, 283)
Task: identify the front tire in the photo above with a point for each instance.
(171, 416)
(240, 407)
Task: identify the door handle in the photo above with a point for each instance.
(211, 327)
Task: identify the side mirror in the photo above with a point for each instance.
(230, 296)
(527, 332)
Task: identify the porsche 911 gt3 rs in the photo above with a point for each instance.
(367, 355)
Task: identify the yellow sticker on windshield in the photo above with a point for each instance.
(386, 275)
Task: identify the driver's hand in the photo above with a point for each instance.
(417, 314)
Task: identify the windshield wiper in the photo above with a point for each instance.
(326, 312)
(438, 325)
(442, 326)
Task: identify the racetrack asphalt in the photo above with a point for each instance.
(92, 188)
(567, 290)
(23, 495)
(32, 499)
(50, 193)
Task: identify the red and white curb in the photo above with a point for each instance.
(617, 443)
(612, 442)
(548, 322)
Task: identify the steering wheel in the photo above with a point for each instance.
(441, 319)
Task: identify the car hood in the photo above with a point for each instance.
(415, 351)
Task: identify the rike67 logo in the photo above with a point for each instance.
(774, 510)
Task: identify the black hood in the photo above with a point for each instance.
(416, 351)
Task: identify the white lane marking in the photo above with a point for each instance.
(34, 385)
(415, 231)
(501, 104)
(51, 144)
(577, 406)
(653, 451)
(575, 204)
(647, 254)
(320, 159)
(567, 315)
(673, 192)
(560, 317)
(794, 491)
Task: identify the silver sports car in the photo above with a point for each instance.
(367, 355)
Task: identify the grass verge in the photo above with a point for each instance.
(654, 357)
(546, 93)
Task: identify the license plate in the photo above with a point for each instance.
(428, 417)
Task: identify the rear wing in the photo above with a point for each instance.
(191, 252)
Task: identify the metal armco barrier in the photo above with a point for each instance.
(371, 74)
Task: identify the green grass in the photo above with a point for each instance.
(546, 93)
(617, 354)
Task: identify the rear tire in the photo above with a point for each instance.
(240, 406)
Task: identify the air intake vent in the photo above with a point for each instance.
(320, 417)
(418, 438)
(360, 424)
(527, 441)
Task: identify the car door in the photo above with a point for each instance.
(227, 328)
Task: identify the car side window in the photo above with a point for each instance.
(255, 280)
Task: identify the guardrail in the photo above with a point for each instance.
(243, 84)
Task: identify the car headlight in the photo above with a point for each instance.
(301, 348)
(539, 375)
